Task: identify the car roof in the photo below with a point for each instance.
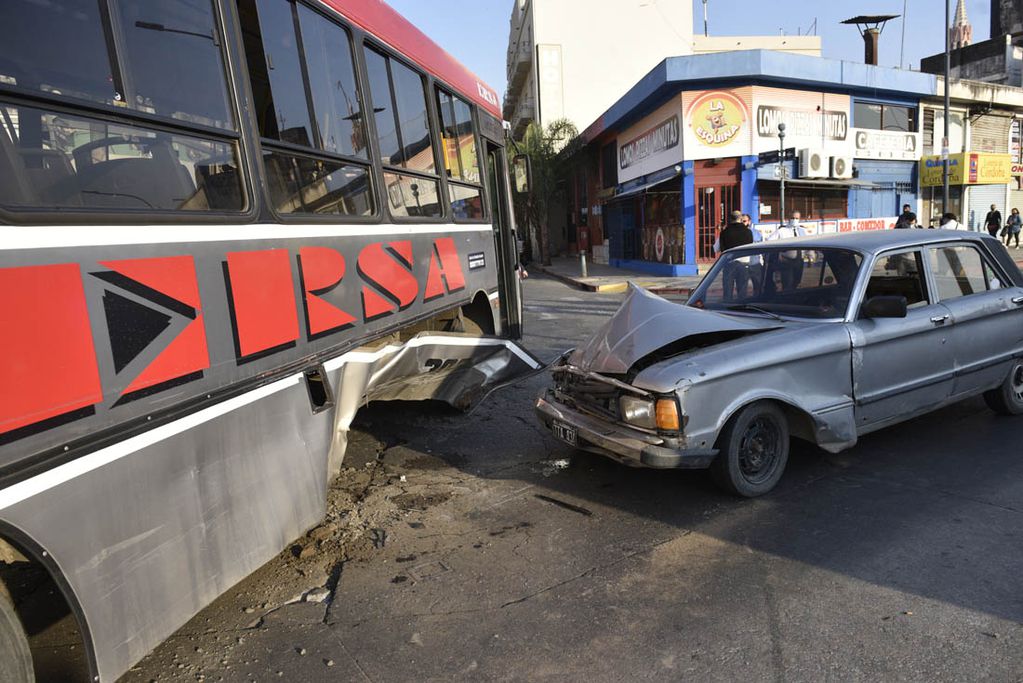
(873, 241)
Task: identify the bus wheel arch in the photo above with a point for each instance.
(478, 316)
(35, 589)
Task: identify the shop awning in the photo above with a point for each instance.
(632, 191)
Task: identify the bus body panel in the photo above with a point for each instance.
(108, 336)
(180, 513)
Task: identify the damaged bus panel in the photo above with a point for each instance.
(210, 259)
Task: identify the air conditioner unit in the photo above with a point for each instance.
(841, 167)
(813, 164)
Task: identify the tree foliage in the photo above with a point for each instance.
(549, 150)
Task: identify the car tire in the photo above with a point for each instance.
(753, 450)
(15, 655)
(1008, 398)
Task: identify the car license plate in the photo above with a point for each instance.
(564, 432)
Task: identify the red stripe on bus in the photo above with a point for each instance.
(379, 19)
(49, 362)
(263, 295)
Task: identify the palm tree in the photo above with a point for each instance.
(549, 150)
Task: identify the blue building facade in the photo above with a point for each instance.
(698, 138)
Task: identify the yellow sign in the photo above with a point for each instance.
(717, 117)
(967, 168)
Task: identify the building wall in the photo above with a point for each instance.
(1006, 17)
(800, 45)
(605, 47)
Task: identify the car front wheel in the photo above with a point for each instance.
(1008, 398)
(753, 450)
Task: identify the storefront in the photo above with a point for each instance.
(976, 181)
(886, 159)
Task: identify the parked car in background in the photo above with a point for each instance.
(823, 338)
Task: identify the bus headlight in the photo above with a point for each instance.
(638, 411)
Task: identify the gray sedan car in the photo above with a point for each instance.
(821, 338)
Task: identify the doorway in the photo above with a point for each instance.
(717, 195)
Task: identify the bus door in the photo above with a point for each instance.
(505, 242)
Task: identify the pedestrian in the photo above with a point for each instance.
(790, 262)
(993, 221)
(906, 221)
(949, 222)
(736, 273)
(906, 212)
(1012, 227)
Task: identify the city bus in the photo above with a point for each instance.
(225, 225)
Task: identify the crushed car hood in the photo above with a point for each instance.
(645, 323)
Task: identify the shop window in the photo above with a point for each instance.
(813, 202)
(876, 116)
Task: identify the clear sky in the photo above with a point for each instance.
(476, 31)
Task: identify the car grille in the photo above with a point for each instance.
(591, 395)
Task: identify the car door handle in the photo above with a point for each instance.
(1018, 300)
(939, 319)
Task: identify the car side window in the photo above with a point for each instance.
(899, 274)
(960, 271)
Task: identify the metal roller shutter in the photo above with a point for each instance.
(990, 133)
(981, 198)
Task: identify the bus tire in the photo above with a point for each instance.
(15, 655)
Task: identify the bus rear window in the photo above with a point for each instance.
(57, 161)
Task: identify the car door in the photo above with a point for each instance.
(901, 366)
(987, 315)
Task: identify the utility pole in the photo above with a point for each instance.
(944, 141)
(781, 167)
(902, 48)
(705, 18)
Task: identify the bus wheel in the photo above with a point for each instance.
(15, 656)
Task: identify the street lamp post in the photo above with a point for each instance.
(944, 142)
(781, 167)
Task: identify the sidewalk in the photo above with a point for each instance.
(607, 279)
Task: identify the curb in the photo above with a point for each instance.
(609, 288)
(578, 284)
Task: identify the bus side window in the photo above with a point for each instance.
(398, 95)
(461, 157)
(303, 81)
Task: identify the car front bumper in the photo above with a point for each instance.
(629, 446)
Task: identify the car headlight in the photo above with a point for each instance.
(638, 411)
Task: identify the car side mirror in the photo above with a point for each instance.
(522, 171)
(884, 307)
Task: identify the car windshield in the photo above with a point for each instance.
(804, 282)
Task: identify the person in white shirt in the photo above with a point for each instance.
(949, 222)
(790, 263)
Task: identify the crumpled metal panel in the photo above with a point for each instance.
(453, 368)
(171, 518)
(646, 322)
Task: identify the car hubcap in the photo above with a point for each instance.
(759, 450)
(1017, 383)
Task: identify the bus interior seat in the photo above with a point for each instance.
(49, 173)
(158, 182)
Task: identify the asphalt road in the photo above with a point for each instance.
(479, 548)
